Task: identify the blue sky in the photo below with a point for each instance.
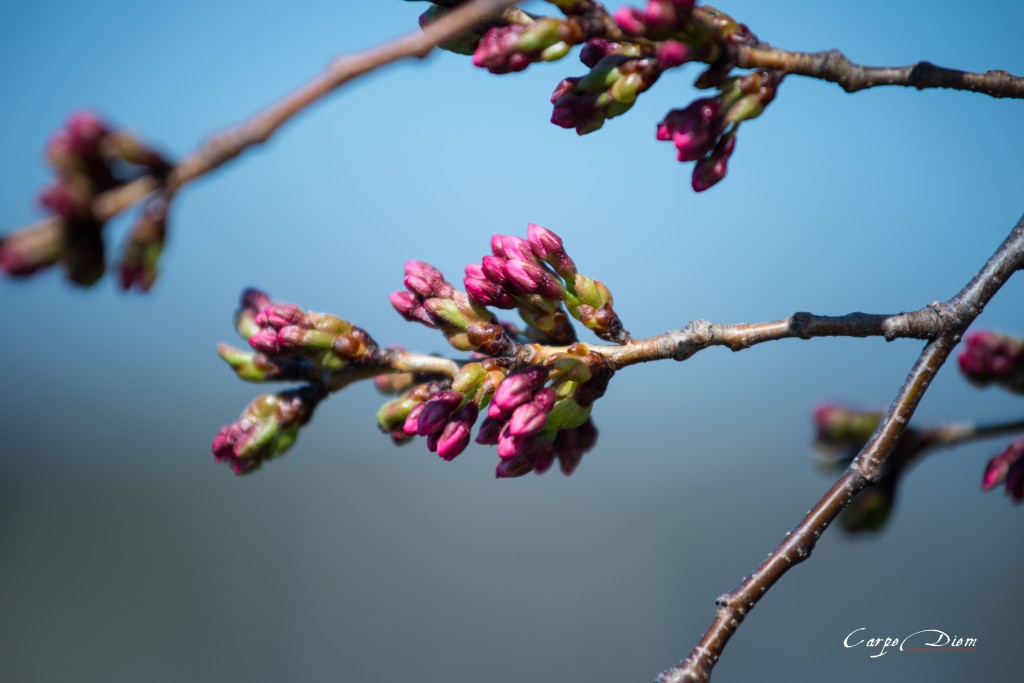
(118, 528)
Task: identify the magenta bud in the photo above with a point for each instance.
(223, 443)
(455, 436)
(85, 129)
(672, 53)
(498, 50)
(525, 275)
(411, 426)
(631, 21)
(543, 242)
(436, 412)
(1007, 467)
(509, 446)
(254, 300)
(279, 316)
(493, 268)
(432, 441)
(476, 271)
(596, 49)
(530, 417)
(411, 308)
(564, 87)
(487, 293)
(514, 467)
(58, 200)
(710, 170)
(490, 430)
(510, 247)
(266, 341)
(516, 389)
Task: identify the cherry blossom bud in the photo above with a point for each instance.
(531, 416)
(991, 357)
(516, 390)
(455, 436)
(710, 170)
(1007, 467)
(436, 412)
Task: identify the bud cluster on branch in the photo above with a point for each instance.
(534, 385)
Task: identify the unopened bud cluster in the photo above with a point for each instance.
(288, 344)
(993, 358)
(534, 387)
(90, 157)
(626, 53)
(840, 434)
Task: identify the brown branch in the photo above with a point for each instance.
(956, 435)
(955, 315)
(225, 146)
(834, 66)
(924, 323)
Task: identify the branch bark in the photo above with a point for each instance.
(225, 146)
(835, 67)
(956, 315)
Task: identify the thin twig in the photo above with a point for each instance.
(959, 434)
(835, 67)
(225, 146)
(955, 315)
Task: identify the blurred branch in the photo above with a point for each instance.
(835, 67)
(956, 435)
(225, 146)
(955, 315)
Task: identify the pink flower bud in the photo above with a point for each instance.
(411, 426)
(509, 247)
(455, 437)
(631, 21)
(436, 411)
(531, 416)
(490, 430)
(254, 300)
(58, 200)
(514, 467)
(525, 275)
(516, 389)
(710, 170)
(1007, 467)
(672, 53)
(266, 341)
(487, 293)
(596, 49)
(279, 316)
(498, 50)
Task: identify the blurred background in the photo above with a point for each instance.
(126, 553)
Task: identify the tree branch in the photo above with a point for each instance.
(834, 66)
(225, 146)
(924, 323)
(956, 315)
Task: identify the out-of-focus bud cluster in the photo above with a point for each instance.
(705, 131)
(431, 300)
(626, 53)
(536, 276)
(1007, 468)
(89, 158)
(618, 74)
(993, 358)
(267, 428)
(840, 434)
